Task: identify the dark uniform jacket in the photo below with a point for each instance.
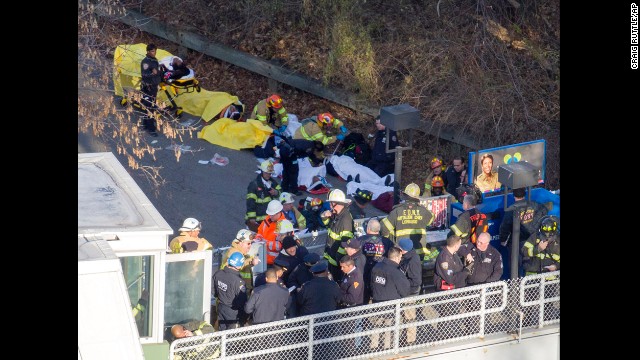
(359, 260)
(268, 302)
(299, 276)
(352, 288)
(230, 291)
(388, 282)
(340, 229)
(150, 80)
(487, 266)
(318, 295)
(529, 213)
(452, 180)
(408, 219)
(534, 260)
(356, 211)
(258, 198)
(449, 268)
(291, 261)
(411, 266)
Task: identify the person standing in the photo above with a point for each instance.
(469, 224)
(151, 78)
(409, 219)
(301, 274)
(271, 112)
(529, 213)
(387, 283)
(260, 192)
(450, 273)
(375, 248)
(268, 302)
(188, 240)
(411, 266)
(339, 228)
(436, 168)
(352, 285)
(319, 294)
(242, 244)
(455, 176)
(273, 228)
(353, 248)
(362, 198)
(230, 293)
(291, 213)
(382, 162)
(291, 255)
(541, 252)
(488, 262)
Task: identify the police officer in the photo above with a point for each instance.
(382, 162)
(409, 219)
(291, 255)
(339, 228)
(488, 262)
(231, 293)
(411, 266)
(352, 285)
(541, 252)
(268, 302)
(353, 248)
(151, 77)
(387, 283)
(301, 274)
(318, 294)
(450, 273)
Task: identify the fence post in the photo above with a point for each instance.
(310, 347)
(396, 336)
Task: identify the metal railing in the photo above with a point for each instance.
(390, 327)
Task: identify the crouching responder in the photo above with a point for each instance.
(271, 112)
(313, 130)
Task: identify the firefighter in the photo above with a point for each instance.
(271, 112)
(362, 198)
(469, 224)
(311, 211)
(339, 228)
(242, 244)
(231, 293)
(450, 273)
(312, 130)
(529, 212)
(188, 240)
(436, 169)
(269, 229)
(260, 192)
(409, 219)
(541, 252)
(437, 186)
(290, 212)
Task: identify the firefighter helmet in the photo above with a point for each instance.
(363, 195)
(337, 196)
(436, 162)
(245, 235)
(284, 227)
(190, 224)
(236, 259)
(412, 190)
(274, 207)
(316, 202)
(548, 226)
(325, 119)
(267, 167)
(286, 198)
(437, 181)
(274, 101)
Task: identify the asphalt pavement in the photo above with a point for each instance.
(211, 193)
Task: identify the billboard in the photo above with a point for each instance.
(484, 164)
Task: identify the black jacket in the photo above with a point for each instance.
(352, 288)
(229, 288)
(258, 198)
(292, 261)
(452, 180)
(318, 295)
(268, 302)
(146, 71)
(487, 266)
(449, 268)
(529, 213)
(411, 266)
(299, 276)
(379, 152)
(388, 282)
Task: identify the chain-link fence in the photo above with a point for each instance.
(390, 327)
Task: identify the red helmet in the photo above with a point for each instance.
(435, 162)
(315, 202)
(437, 181)
(325, 119)
(274, 101)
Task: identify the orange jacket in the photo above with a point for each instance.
(267, 229)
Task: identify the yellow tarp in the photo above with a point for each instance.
(236, 135)
(126, 66)
(205, 103)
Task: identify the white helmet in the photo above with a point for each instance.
(284, 227)
(287, 198)
(190, 224)
(337, 196)
(274, 207)
(267, 167)
(245, 235)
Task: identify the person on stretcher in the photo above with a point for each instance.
(174, 68)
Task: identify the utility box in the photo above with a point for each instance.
(518, 175)
(400, 117)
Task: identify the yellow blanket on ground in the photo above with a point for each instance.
(236, 135)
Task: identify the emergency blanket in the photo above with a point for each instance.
(235, 135)
(306, 172)
(126, 75)
(364, 178)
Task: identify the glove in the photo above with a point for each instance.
(343, 129)
(276, 132)
(340, 137)
(282, 129)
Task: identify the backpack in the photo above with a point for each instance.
(356, 147)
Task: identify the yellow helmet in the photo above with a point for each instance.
(412, 190)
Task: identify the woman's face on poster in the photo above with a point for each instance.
(487, 165)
